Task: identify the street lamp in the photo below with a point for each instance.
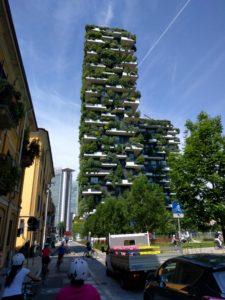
(46, 216)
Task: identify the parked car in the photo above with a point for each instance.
(196, 276)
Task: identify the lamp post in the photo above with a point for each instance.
(46, 216)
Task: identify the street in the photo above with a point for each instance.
(108, 287)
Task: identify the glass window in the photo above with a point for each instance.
(188, 273)
(94, 180)
(129, 242)
(220, 279)
(167, 272)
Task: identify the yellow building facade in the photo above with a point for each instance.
(36, 198)
(26, 166)
(12, 128)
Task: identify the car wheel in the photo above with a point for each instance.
(148, 297)
(123, 282)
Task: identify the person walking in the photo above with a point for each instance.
(46, 252)
(14, 280)
(78, 289)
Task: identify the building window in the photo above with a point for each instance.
(94, 180)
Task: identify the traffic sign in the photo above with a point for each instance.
(177, 210)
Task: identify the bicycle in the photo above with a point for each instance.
(27, 289)
(59, 262)
(90, 254)
(44, 271)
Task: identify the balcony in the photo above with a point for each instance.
(132, 103)
(95, 122)
(87, 138)
(118, 109)
(96, 155)
(108, 115)
(94, 66)
(121, 156)
(91, 93)
(107, 37)
(131, 76)
(133, 119)
(91, 53)
(173, 142)
(97, 41)
(132, 165)
(96, 79)
(135, 149)
(124, 182)
(109, 165)
(95, 107)
(132, 65)
(91, 192)
(153, 157)
(121, 132)
(152, 141)
(117, 69)
(166, 169)
(100, 173)
(126, 41)
(117, 88)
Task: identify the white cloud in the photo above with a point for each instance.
(106, 15)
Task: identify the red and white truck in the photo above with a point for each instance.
(130, 257)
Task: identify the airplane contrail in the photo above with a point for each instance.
(164, 32)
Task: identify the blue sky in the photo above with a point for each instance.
(180, 51)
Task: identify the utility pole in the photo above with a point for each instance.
(45, 220)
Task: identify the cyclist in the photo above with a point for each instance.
(218, 239)
(61, 252)
(46, 252)
(15, 278)
(88, 248)
(78, 289)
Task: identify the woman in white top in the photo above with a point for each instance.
(15, 278)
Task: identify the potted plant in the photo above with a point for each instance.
(11, 107)
(9, 174)
(30, 150)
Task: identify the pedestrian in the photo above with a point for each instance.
(46, 252)
(78, 289)
(15, 277)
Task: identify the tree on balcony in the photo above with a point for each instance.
(11, 98)
(31, 149)
(9, 174)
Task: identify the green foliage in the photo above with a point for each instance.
(30, 150)
(139, 210)
(77, 227)
(9, 96)
(61, 228)
(198, 172)
(9, 174)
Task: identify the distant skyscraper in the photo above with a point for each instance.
(64, 195)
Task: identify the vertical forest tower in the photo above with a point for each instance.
(116, 144)
(109, 114)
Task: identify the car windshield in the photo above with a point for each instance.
(220, 278)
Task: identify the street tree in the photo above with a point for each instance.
(198, 172)
(146, 206)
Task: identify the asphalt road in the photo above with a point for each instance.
(108, 287)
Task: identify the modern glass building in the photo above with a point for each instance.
(64, 196)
